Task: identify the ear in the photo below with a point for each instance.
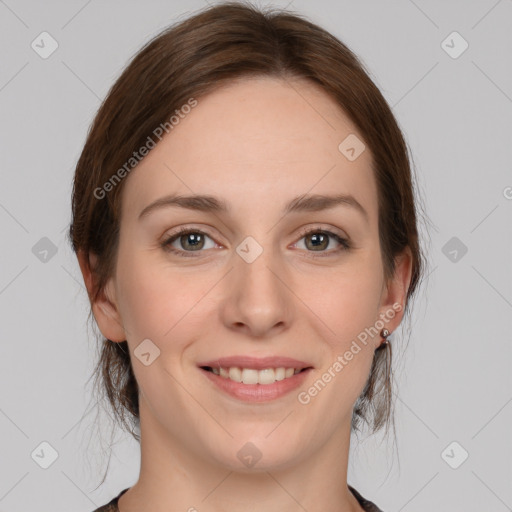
(104, 307)
(394, 292)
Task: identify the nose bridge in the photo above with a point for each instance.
(256, 294)
(255, 269)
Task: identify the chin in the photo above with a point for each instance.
(254, 453)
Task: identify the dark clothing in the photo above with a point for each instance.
(368, 506)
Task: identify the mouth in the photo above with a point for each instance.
(264, 377)
(256, 379)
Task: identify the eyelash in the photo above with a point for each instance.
(166, 244)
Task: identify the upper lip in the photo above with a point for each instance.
(256, 363)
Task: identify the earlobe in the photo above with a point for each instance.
(104, 306)
(395, 293)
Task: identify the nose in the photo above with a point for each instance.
(257, 301)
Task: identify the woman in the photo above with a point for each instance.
(245, 223)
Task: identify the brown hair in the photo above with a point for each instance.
(195, 57)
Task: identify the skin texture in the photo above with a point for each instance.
(256, 143)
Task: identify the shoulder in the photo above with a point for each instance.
(111, 506)
(108, 508)
(367, 505)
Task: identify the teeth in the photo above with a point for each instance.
(280, 373)
(235, 374)
(251, 376)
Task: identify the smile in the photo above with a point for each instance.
(255, 379)
(265, 376)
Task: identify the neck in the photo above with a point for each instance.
(174, 478)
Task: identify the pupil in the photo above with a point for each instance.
(317, 237)
(195, 237)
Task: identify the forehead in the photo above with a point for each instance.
(252, 137)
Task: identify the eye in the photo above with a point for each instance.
(191, 240)
(317, 240)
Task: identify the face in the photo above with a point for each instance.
(253, 280)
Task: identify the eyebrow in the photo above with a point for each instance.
(208, 203)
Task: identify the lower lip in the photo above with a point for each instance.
(257, 392)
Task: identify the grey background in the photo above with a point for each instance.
(454, 380)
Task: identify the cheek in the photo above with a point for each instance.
(154, 301)
(157, 301)
(349, 305)
(349, 311)
(350, 300)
